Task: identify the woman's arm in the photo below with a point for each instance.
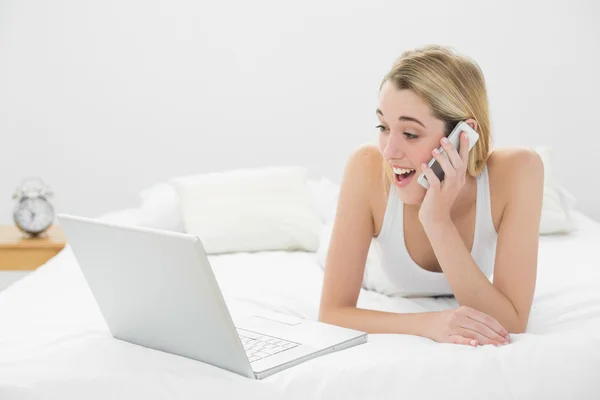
(351, 237)
(509, 298)
(372, 321)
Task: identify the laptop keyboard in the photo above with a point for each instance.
(258, 346)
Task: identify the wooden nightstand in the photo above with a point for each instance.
(19, 253)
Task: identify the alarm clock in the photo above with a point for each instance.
(33, 214)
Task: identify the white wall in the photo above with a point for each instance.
(103, 98)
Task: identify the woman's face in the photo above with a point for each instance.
(408, 135)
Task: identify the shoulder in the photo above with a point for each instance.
(512, 159)
(365, 162)
(511, 167)
(367, 153)
(363, 173)
(516, 175)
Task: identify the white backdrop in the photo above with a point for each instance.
(103, 98)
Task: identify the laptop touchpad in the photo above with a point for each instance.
(281, 318)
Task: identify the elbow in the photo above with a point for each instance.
(517, 323)
(325, 315)
(516, 330)
(518, 326)
(330, 315)
(322, 317)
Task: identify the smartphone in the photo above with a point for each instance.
(454, 138)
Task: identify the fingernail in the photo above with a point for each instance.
(445, 140)
(423, 166)
(473, 342)
(464, 135)
(436, 151)
(507, 338)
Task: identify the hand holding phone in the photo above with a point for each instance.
(454, 138)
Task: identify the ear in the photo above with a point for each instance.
(472, 123)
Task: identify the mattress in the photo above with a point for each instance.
(55, 344)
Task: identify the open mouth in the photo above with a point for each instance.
(403, 176)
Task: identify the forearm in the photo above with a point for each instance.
(372, 321)
(469, 285)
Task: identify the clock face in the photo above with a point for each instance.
(34, 214)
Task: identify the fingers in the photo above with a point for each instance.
(434, 182)
(476, 335)
(442, 159)
(485, 331)
(458, 339)
(486, 320)
(452, 154)
(458, 158)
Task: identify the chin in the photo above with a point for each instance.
(408, 189)
(412, 196)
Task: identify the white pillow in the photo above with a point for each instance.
(260, 209)
(557, 203)
(160, 207)
(324, 195)
(127, 216)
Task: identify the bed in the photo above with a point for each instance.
(54, 343)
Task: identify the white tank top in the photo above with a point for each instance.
(406, 278)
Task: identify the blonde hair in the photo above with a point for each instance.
(454, 88)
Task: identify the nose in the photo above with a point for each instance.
(393, 147)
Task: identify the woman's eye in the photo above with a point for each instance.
(380, 127)
(409, 136)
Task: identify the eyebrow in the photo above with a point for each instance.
(403, 118)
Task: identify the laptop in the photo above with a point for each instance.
(157, 289)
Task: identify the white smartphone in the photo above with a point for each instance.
(454, 138)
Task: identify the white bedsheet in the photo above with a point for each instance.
(54, 343)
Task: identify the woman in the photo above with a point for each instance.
(482, 219)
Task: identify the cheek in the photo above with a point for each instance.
(420, 155)
(425, 158)
(425, 154)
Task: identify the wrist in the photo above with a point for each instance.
(436, 223)
(425, 327)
